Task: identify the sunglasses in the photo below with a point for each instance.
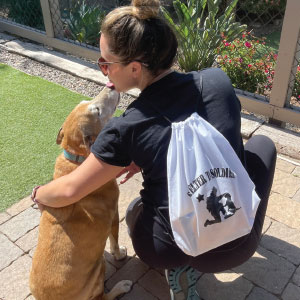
(103, 64)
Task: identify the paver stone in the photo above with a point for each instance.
(260, 294)
(21, 223)
(284, 210)
(249, 124)
(267, 270)
(285, 184)
(284, 241)
(137, 292)
(20, 206)
(129, 191)
(29, 240)
(14, 279)
(8, 252)
(296, 172)
(296, 277)
(133, 270)
(155, 284)
(297, 196)
(4, 217)
(225, 286)
(292, 292)
(284, 165)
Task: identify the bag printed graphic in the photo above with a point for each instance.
(212, 199)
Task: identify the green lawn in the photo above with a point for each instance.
(32, 111)
(273, 39)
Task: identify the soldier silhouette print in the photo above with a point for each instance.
(217, 205)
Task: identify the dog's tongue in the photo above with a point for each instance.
(110, 85)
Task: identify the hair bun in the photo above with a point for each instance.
(146, 9)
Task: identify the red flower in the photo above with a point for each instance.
(248, 45)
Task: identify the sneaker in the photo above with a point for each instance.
(182, 282)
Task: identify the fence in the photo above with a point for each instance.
(268, 85)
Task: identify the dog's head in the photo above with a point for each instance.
(86, 120)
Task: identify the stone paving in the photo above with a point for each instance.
(272, 273)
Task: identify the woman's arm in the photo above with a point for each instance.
(68, 189)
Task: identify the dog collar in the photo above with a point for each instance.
(72, 157)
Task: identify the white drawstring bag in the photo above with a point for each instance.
(212, 199)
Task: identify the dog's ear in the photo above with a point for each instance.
(60, 136)
(88, 142)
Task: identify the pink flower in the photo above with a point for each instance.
(227, 44)
(249, 65)
(241, 60)
(248, 45)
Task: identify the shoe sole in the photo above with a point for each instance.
(176, 290)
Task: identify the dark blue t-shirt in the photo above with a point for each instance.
(142, 134)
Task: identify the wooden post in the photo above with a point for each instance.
(47, 18)
(286, 66)
(52, 18)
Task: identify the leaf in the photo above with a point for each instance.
(213, 7)
(229, 8)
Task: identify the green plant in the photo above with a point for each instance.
(27, 13)
(199, 29)
(248, 64)
(84, 22)
(296, 89)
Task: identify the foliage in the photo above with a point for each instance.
(296, 89)
(199, 29)
(84, 22)
(247, 67)
(250, 65)
(27, 13)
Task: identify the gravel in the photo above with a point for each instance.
(73, 83)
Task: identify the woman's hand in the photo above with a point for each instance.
(130, 170)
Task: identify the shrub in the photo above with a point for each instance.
(248, 68)
(84, 22)
(296, 89)
(27, 13)
(250, 65)
(199, 29)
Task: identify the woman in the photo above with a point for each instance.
(137, 51)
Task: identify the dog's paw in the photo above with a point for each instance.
(124, 286)
(121, 253)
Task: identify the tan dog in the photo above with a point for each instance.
(68, 262)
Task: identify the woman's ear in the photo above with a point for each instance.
(136, 69)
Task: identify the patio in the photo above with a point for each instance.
(272, 273)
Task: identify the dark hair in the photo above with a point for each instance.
(136, 32)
